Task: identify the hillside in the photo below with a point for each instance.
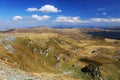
(76, 33)
(55, 54)
(72, 33)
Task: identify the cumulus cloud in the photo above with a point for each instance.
(44, 17)
(32, 9)
(77, 19)
(49, 8)
(46, 9)
(17, 18)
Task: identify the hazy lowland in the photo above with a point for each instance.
(60, 54)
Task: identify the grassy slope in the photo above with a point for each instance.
(27, 54)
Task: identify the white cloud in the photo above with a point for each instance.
(34, 21)
(99, 20)
(49, 8)
(69, 19)
(17, 18)
(77, 19)
(44, 17)
(32, 9)
(115, 20)
(46, 9)
(108, 20)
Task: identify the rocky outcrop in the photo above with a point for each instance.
(57, 59)
(9, 48)
(93, 71)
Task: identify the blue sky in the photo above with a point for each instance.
(32, 13)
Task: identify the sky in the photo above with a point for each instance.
(33, 13)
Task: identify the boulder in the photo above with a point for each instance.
(93, 71)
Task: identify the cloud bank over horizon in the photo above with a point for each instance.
(52, 15)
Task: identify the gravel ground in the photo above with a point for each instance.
(7, 73)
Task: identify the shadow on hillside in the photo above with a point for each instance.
(106, 34)
(86, 60)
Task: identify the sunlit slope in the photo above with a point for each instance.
(59, 54)
(72, 33)
(37, 52)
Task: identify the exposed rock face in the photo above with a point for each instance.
(46, 52)
(93, 71)
(9, 48)
(41, 52)
(7, 39)
(57, 58)
(6, 42)
(10, 38)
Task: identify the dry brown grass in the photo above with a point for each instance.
(62, 42)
